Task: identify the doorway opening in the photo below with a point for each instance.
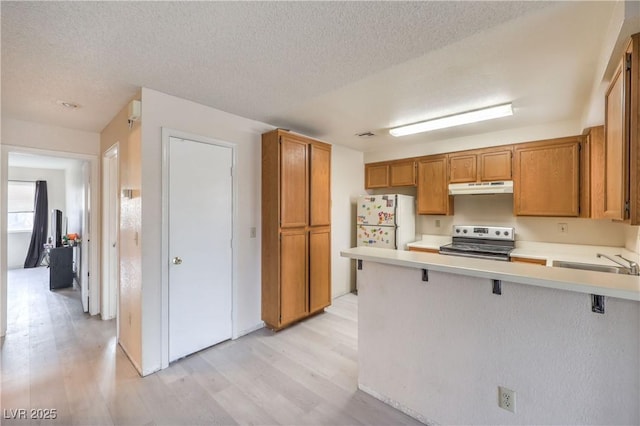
(69, 178)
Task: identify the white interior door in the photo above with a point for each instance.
(83, 277)
(111, 230)
(200, 253)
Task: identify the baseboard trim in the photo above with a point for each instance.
(249, 330)
(395, 404)
(135, 364)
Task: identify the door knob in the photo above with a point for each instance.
(176, 261)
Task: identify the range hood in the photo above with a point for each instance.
(498, 187)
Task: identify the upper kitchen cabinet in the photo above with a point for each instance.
(485, 165)
(622, 144)
(463, 167)
(546, 177)
(389, 174)
(433, 192)
(495, 164)
(592, 167)
(296, 227)
(376, 175)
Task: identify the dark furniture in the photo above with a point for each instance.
(60, 267)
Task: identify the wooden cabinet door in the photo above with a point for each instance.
(495, 165)
(433, 192)
(616, 150)
(293, 275)
(402, 173)
(319, 268)
(546, 178)
(376, 176)
(462, 168)
(293, 182)
(320, 185)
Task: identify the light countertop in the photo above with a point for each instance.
(544, 251)
(600, 283)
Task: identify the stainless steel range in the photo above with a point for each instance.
(484, 242)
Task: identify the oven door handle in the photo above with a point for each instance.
(477, 256)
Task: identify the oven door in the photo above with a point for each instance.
(478, 252)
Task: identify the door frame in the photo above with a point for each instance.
(110, 289)
(166, 134)
(91, 237)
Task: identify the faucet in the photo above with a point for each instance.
(632, 266)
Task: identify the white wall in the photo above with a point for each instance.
(441, 349)
(347, 181)
(74, 184)
(18, 243)
(506, 137)
(497, 210)
(24, 135)
(161, 110)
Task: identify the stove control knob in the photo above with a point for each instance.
(498, 233)
(464, 230)
(457, 231)
(506, 233)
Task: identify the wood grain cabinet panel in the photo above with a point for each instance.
(616, 148)
(320, 185)
(529, 260)
(622, 138)
(402, 173)
(495, 165)
(296, 231)
(433, 192)
(483, 165)
(319, 269)
(294, 169)
(592, 168)
(376, 175)
(546, 178)
(424, 250)
(462, 168)
(293, 269)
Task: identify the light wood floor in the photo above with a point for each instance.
(56, 357)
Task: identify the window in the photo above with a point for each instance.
(20, 203)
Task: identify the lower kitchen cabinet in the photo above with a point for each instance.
(319, 269)
(529, 260)
(293, 270)
(546, 178)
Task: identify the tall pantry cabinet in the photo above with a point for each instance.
(296, 227)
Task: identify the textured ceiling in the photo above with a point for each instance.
(327, 69)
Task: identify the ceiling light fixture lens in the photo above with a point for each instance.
(474, 116)
(66, 104)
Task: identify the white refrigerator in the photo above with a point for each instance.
(385, 221)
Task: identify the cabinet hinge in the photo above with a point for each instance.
(628, 63)
(627, 207)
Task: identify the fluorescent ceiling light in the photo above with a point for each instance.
(454, 120)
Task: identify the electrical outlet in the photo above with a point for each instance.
(563, 228)
(437, 223)
(252, 232)
(506, 399)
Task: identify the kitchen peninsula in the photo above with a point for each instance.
(439, 334)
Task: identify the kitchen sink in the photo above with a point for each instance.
(590, 267)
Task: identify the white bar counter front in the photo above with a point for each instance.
(439, 349)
